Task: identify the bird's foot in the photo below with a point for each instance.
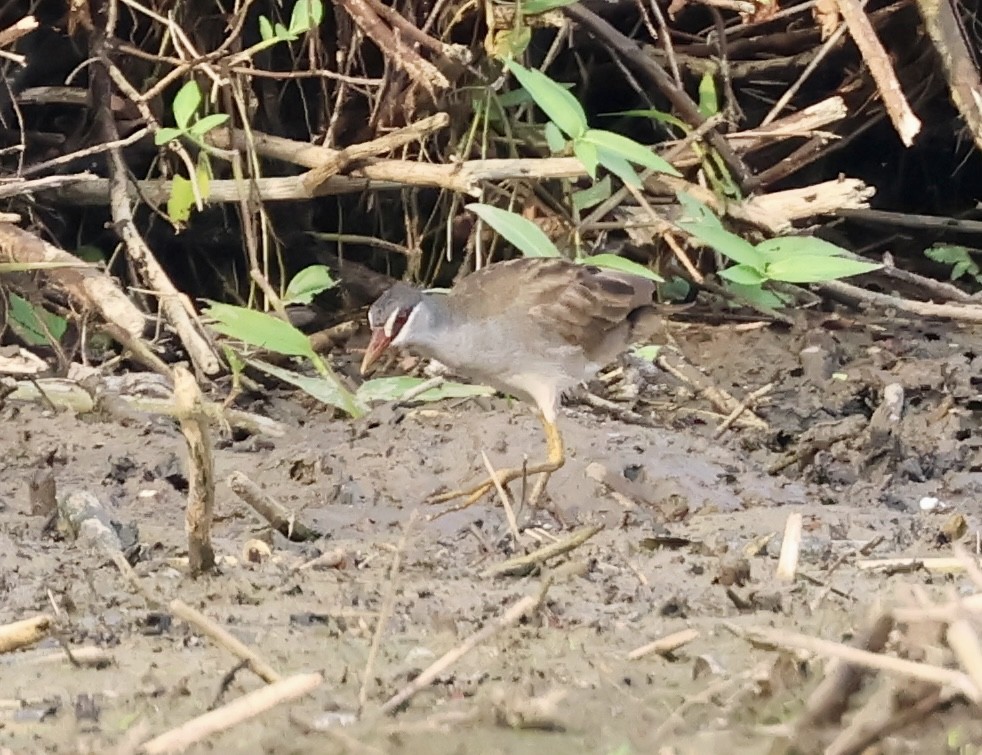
(474, 493)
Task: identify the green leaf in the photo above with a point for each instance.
(186, 103)
(33, 323)
(958, 257)
(394, 388)
(306, 284)
(167, 134)
(815, 269)
(511, 43)
(699, 221)
(202, 174)
(614, 262)
(745, 275)
(619, 167)
(258, 329)
(203, 126)
(648, 353)
(708, 99)
(629, 150)
(675, 288)
(559, 105)
(960, 268)
(306, 15)
(265, 29)
(593, 195)
(655, 115)
(323, 389)
(759, 297)
(554, 138)
(181, 200)
(780, 247)
(283, 34)
(535, 7)
(588, 155)
(234, 359)
(520, 232)
(91, 253)
(513, 98)
(948, 254)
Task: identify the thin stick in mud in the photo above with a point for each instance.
(201, 471)
(236, 712)
(279, 517)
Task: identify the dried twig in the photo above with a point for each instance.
(718, 397)
(388, 604)
(749, 400)
(20, 634)
(905, 122)
(900, 667)
(855, 294)
(279, 517)
(512, 616)
(201, 471)
(236, 712)
(787, 564)
(664, 645)
(223, 638)
(524, 564)
(503, 495)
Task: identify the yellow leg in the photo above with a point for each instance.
(556, 458)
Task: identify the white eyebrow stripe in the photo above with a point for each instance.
(390, 324)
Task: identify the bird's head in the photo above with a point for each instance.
(391, 320)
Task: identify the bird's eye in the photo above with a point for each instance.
(395, 322)
(401, 318)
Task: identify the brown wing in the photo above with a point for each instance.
(585, 305)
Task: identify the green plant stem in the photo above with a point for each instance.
(350, 403)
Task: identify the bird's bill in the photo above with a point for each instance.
(376, 347)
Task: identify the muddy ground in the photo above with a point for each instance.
(686, 506)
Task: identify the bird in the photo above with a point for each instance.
(531, 327)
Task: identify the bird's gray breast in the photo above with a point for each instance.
(505, 354)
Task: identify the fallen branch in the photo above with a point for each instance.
(369, 175)
(20, 634)
(68, 394)
(279, 517)
(91, 288)
(236, 712)
(861, 30)
(174, 305)
(899, 667)
(857, 295)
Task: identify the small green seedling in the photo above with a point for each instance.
(959, 258)
(307, 15)
(185, 191)
(306, 284)
(568, 125)
(790, 259)
(264, 331)
(185, 107)
(33, 324)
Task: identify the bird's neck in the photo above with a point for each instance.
(429, 325)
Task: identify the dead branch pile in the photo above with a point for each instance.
(373, 126)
